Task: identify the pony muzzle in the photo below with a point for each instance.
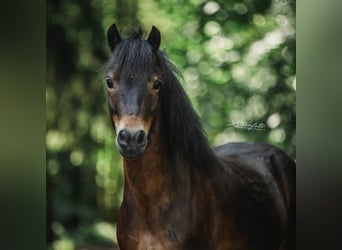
(131, 143)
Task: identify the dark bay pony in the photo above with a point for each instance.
(179, 193)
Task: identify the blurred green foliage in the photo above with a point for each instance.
(238, 63)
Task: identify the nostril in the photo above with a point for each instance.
(140, 137)
(122, 137)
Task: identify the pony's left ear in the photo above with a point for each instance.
(154, 39)
(113, 37)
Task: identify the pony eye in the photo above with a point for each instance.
(156, 85)
(110, 83)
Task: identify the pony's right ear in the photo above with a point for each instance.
(113, 37)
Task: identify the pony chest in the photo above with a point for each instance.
(146, 241)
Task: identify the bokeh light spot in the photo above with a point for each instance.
(211, 7)
(273, 120)
(212, 28)
(240, 8)
(53, 167)
(259, 20)
(76, 157)
(278, 135)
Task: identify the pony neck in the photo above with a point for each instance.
(155, 175)
(159, 176)
(145, 174)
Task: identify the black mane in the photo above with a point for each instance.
(181, 129)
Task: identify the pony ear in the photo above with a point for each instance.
(154, 39)
(113, 37)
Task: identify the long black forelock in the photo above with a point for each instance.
(132, 56)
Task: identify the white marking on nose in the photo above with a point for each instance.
(123, 125)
